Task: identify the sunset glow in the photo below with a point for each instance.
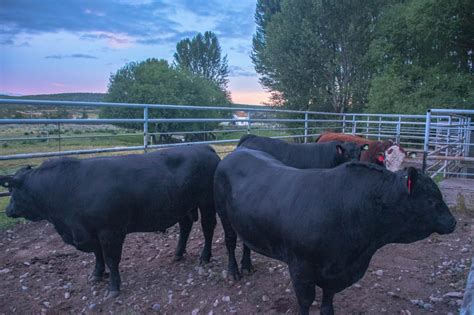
(47, 47)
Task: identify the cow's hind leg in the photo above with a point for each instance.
(230, 243)
(327, 305)
(208, 224)
(185, 226)
(112, 242)
(246, 262)
(99, 268)
(302, 279)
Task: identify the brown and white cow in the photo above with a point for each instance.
(386, 153)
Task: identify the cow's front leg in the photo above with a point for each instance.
(99, 268)
(185, 226)
(302, 278)
(112, 242)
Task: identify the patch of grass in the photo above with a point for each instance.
(438, 178)
(6, 222)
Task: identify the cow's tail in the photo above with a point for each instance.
(245, 138)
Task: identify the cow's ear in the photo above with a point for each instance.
(9, 182)
(339, 149)
(411, 179)
(364, 147)
(412, 155)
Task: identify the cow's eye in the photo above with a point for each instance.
(390, 151)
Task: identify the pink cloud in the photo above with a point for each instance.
(113, 40)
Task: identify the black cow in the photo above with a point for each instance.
(325, 224)
(94, 203)
(307, 155)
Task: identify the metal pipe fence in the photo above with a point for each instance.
(447, 143)
(439, 134)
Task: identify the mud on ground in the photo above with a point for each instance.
(40, 274)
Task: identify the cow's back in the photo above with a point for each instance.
(334, 136)
(308, 155)
(145, 192)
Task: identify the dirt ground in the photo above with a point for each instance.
(40, 274)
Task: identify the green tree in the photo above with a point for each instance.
(155, 82)
(311, 54)
(423, 57)
(202, 56)
(263, 14)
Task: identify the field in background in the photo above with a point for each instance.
(34, 138)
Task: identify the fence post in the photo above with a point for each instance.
(343, 123)
(397, 139)
(354, 127)
(427, 138)
(466, 136)
(380, 130)
(367, 127)
(59, 136)
(305, 127)
(468, 140)
(448, 143)
(437, 136)
(145, 128)
(459, 144)
(248, 124)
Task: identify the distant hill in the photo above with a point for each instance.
(79, 97)
(30, 111)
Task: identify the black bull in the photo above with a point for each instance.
(94, 203)
(324, 223)
(308, 155)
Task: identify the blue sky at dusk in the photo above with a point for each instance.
(54, 46)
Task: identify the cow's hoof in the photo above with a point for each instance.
(235, 275)
(204, 261)
(178, 258)
(247, 270)
(111, 294)
(94, 278)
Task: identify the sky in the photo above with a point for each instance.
(62, 46)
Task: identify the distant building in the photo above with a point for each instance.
(240, 115)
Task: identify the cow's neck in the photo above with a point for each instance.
(45, 195)
(392, 222)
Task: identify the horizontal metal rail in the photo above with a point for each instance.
(445, 138)
(196, 107)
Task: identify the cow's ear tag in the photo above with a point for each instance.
(339, 149)
(411, 179)
(365, 147)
